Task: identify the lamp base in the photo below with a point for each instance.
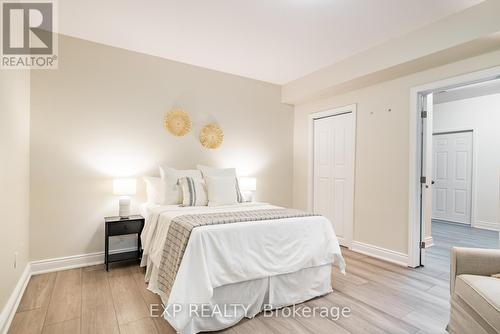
(124, 207)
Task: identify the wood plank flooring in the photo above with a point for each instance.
(382, 297)
(447, 235)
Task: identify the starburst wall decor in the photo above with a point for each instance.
(177, 122)
(211, 136)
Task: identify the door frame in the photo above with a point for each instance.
(473, 198)
(348, 109)
(415, 151)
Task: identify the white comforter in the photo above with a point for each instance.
(218, 255)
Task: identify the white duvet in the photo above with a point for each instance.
(219, 255)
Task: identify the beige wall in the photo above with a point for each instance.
(382, 157)
(100, 115)
(14, 178)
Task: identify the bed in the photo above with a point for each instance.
(236, 270)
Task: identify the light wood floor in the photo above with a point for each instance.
(383, 298)
(447, 235)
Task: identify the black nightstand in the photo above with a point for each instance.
(121, 226)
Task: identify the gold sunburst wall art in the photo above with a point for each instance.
(177, 122)
(211, 136)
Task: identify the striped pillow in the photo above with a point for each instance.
(193, 192)
(239, 196)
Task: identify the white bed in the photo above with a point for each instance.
(279, 262)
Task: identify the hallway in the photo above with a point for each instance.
(447, 235)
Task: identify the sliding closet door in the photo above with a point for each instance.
(333, 172)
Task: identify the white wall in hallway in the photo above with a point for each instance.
(482, 114)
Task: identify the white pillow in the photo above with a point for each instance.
(194, 192)
(219, 172)
(153, 189)
(222, 172)
(171, 193)
(221, 190)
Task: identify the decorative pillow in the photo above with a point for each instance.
(219, 172)
(193, 192)
(153, 189)
(222, 172)
(496, 275)
(221, 190)
(170, 191)
(239, 195)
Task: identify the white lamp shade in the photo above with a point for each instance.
(247, 183)
(124, 187)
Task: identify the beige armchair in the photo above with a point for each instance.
(475, 295)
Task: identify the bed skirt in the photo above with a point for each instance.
(231, 303)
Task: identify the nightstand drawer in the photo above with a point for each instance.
(128, 227)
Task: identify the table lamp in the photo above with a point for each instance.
(124, 188)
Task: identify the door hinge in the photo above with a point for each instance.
(422, 244)
(423, 114)
(423, 179)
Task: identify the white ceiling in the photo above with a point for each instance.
(271, 40)
(468, 92)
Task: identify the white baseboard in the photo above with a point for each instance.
(47, 266)
(429, 242)
(380, 253)
(71, 262)
(10, 308)
(67, 262)
(344, 242)
(486, 225)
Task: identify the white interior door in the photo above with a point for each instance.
(333, 195)
(452, 176)
(427, 172)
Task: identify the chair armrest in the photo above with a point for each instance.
(473, 261)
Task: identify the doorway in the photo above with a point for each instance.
(444, 167)
(332, 180)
